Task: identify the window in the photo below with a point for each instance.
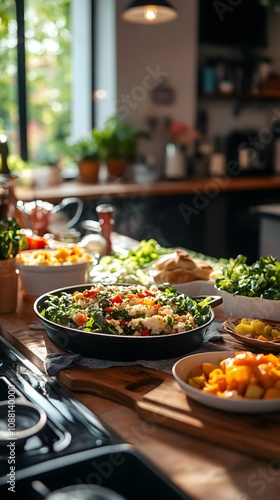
(9, 119)
(39, 57)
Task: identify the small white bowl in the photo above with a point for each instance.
(181, 369)
(240, 306)
(39, 279)
(196, 288)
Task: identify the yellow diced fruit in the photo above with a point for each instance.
(267, 331)
(211, 389)
(245, 321)
(275, 333)
(243, 329)
(229, 394)
(271, 393)
(207, 368)
(197, 382)
(253, 392)
(258, 326)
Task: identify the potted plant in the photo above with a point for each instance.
(12, 241)
(119, 144)
(86, 152)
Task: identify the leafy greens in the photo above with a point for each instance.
(261, 279)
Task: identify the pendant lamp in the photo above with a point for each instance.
(143, 12)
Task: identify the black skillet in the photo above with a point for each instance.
(118, 347)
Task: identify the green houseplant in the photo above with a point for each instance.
(119, 144)
(86, 152)
(12, 241)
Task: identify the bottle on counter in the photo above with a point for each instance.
(175, 162)
(93, 240)
(203, 147)
(217, 164)
(105, 214)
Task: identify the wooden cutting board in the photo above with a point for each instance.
(157, 396)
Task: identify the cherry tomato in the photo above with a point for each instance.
(35, 242)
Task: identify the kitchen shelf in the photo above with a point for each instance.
(251, 97)
(241, 100)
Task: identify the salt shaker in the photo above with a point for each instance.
(106, 220)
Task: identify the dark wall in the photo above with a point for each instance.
(223, 225)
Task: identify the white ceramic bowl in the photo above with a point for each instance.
(181, 369)
(198, 287)
(240, 306)
(39, 279)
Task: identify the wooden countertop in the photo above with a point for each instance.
(199, 468)
(121, 189)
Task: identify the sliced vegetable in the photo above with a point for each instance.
(35, 242)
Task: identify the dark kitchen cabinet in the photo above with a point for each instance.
(220, 226)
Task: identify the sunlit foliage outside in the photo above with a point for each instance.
(48, 77)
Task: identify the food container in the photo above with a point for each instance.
(241, 306)
(37, 279)
(180, 372)
(120, 347)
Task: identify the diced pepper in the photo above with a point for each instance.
(145, 333)
(109, 309)
(90, 293)
(116, 300)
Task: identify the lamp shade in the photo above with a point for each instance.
(145, 12)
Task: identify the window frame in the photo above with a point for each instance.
(21, 74)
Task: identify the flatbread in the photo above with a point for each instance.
(179, 267)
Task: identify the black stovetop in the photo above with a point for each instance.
(73, 448)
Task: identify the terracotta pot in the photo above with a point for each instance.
(116, 167)
(8, 286)
(89, 170)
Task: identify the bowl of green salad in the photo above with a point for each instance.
(250, 290)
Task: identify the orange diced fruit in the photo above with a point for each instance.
(277, 385)
(266, 377)
(261, 337)
(271, 358)
(196, 372)
(207, 368)
(271, 393)
(244, 358)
